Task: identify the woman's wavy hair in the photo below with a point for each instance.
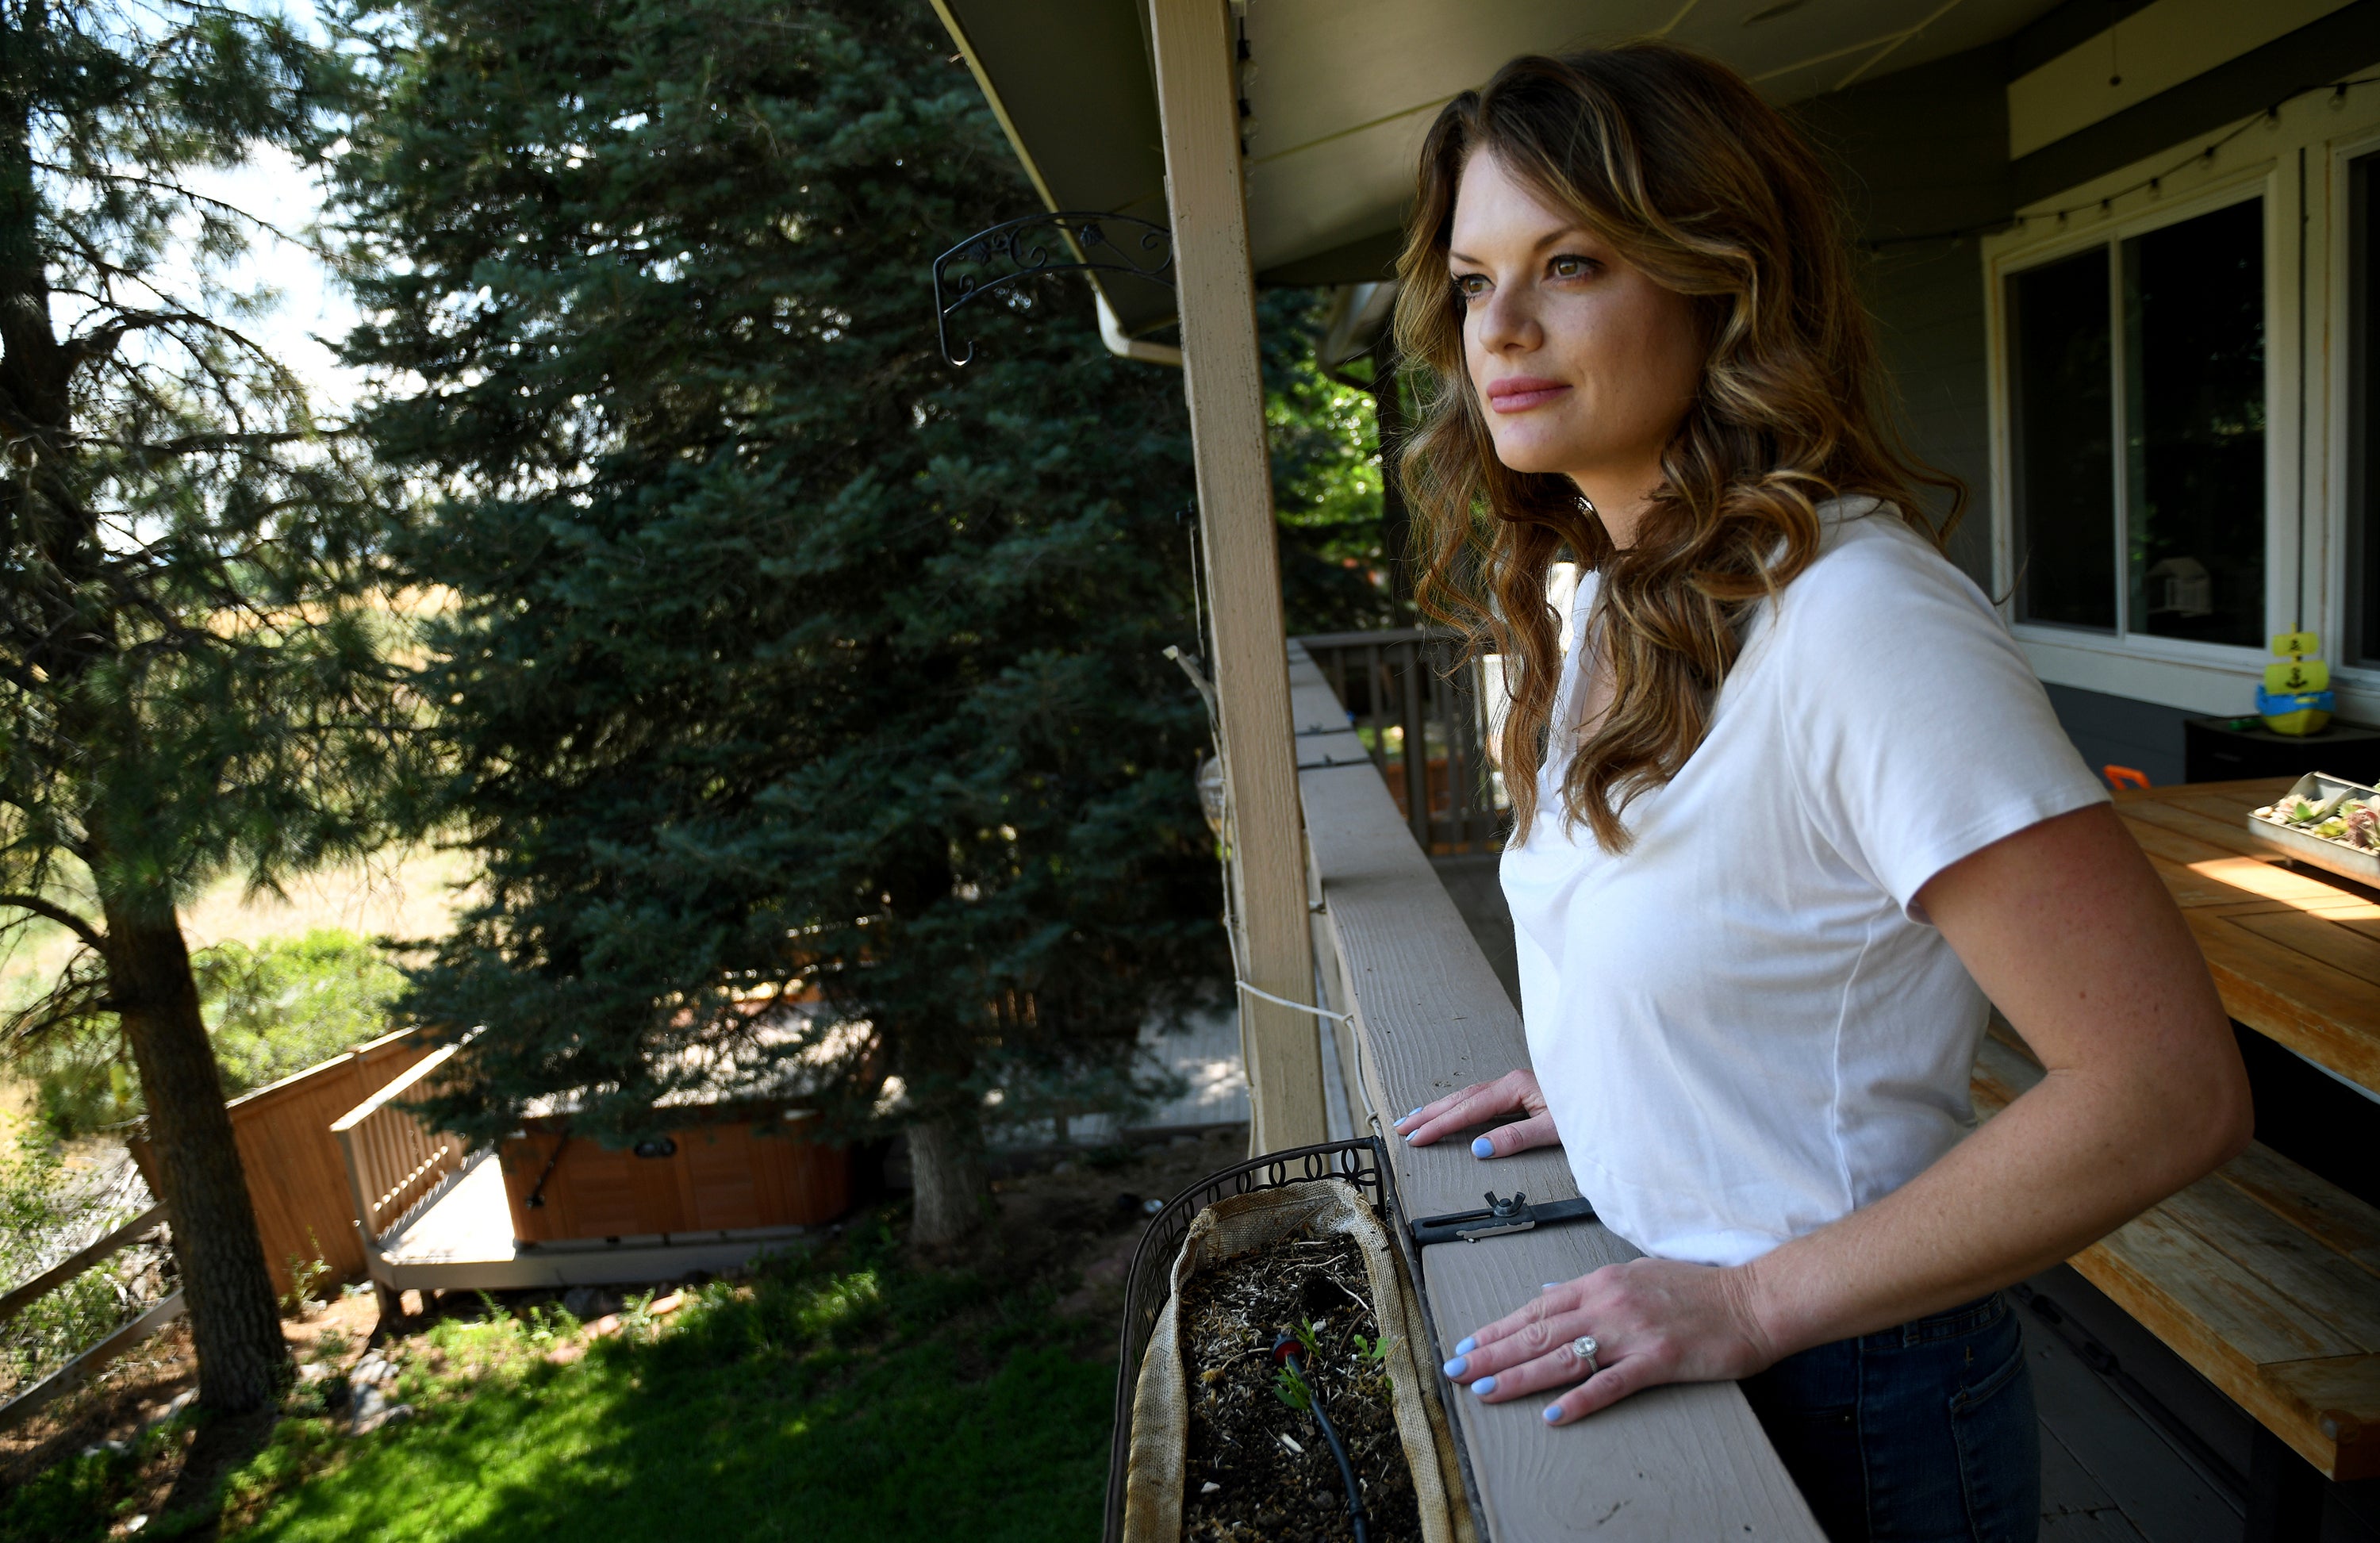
(1683, 169)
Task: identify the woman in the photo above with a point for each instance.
(1788, 812)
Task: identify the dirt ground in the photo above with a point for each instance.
(1255, 1463)
(152, 1384)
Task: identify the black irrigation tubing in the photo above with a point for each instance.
(2338, 88)
(1284, 1350)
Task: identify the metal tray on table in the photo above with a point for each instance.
(2331, 856)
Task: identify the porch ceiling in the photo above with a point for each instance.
(1340, 92)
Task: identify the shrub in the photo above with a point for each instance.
(292, 1002)
(273, 1010)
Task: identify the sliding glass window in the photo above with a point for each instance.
(2137, 418)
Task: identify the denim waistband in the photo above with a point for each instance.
(1949, 1324)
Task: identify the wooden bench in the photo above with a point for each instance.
(2266, 1279)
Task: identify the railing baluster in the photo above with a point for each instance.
(1376, 672)
(1464, 767)
(1416, 746)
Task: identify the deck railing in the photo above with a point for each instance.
(395, 1163)
(1419, 705)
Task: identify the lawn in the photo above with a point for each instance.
(850, 1399)
(845, 1393)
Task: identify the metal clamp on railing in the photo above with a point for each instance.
(1514, 1215)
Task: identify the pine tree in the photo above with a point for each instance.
(784, 655)
(190, 679)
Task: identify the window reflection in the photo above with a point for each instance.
(2195, 428)
(2065, 472)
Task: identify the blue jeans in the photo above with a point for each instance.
(1920, 1434)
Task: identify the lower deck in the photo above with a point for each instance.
(462, 1240)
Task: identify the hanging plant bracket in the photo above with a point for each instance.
(1070, 242)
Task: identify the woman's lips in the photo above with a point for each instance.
(1520, 393)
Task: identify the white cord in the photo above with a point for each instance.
(1284, 1002)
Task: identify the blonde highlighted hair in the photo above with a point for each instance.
(1689, 175)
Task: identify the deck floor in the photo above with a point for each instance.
(2170, 1471)
(471, 1222)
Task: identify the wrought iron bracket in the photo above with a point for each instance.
(1038, 244)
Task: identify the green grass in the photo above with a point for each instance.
(843, 1396)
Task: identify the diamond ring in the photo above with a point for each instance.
(1584, 1347)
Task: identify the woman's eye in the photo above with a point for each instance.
(1470, 286)
(1571, 266)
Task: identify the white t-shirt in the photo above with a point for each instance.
(1742, 1028)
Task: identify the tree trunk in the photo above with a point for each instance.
(953, 1197)
(235, 1323)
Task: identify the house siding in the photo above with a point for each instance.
(1919, 154)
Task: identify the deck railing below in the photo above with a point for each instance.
(1419, 705)
(395, 1163)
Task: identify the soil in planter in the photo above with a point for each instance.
(1242, 1480)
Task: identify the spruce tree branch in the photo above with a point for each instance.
(102, 341)
(49, 911)
(176, 188)
(197, 444)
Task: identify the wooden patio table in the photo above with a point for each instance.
(2295, 951)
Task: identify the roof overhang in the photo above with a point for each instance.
(1338, 95)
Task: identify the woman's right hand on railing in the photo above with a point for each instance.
(1514, 1092)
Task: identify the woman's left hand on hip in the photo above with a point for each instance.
(1652, 1321)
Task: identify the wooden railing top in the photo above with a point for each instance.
(396, 1089)
(1429, 1017)
(321, 1069)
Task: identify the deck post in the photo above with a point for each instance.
(1198, 111)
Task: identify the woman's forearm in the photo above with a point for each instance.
(2072, 1159)
(2066, 927)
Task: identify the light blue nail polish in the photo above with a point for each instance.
(1485, 1386)
(1553, 1414)
(1454, 1367)
(1483, 1147)
(1414, 1110)
(1468, 1346)
(1410, 1134)
(1549, 1285)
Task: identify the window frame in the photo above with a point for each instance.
(2329, 536)
(2112, 662)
